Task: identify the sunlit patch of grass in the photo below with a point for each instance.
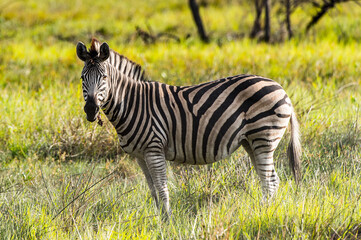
(221, 201)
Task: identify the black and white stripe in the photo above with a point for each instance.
(198, 124)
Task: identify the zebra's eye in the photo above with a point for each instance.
(104, 76)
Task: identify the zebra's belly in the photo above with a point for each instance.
(199, 161)
(193, 157)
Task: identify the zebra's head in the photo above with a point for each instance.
(94, 76)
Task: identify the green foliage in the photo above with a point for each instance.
(64, 178)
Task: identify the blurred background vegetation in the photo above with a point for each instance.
(50, 155)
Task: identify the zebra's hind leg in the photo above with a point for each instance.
(149, 179)
(156, 164)
(266, 171)
(262, 159)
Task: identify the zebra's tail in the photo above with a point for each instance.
(294, 148)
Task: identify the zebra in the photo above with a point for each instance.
(199, 124)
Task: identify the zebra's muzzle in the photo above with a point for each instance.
(91, 110)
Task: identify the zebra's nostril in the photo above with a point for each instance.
(91, 110)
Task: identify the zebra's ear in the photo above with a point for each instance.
(104, 52)
(81, 51)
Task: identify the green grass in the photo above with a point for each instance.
(64, 178)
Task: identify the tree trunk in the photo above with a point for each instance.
(198, 21)
(288, 19)
(257, 20)
(267, 20)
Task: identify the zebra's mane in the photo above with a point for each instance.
(127, 67)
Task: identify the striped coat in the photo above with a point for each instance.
(198, 124)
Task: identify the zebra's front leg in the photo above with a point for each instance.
(148, 177)
(157, 167)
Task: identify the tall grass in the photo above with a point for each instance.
(64, 178)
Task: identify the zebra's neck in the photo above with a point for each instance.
(124, 75)
(124, 92)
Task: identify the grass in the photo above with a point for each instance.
(64, 178)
